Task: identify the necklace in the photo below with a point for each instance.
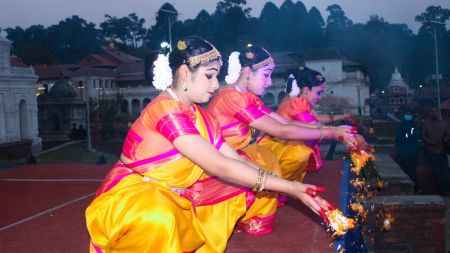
(237, 88)
(172, 94)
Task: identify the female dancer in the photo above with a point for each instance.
(303, 91)
(148, 202)
(239, 111)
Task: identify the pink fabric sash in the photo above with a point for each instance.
(306, 117)
(315, 161)
(131, 143)
(211, 191)
(249, 114)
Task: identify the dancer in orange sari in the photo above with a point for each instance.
(303, 91)
(165, 195)
(240, 112)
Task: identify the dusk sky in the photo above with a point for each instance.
(47, 12)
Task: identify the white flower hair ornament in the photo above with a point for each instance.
(295, 90)
(234, 68)
(162, 74)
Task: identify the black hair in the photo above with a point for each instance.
(253, 55)
(307, 77)
(183, 51)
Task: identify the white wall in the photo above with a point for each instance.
(344, 84)
(330, 69)
(17, 84)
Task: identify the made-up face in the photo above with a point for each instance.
(203, 82)
(261, 79)
(314, 94)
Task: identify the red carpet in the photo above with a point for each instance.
(43, 211)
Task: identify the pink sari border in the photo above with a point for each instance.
(249, 114)
(305, 117)
(131, 142)
(97, 249)
(220, 142)
(249, 198)
(265, 109)
(230, 125)
(175, 125)
(258, 225)
(153, 159)
(116, 181)
(208, 127)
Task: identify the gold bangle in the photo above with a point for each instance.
(258, 180)
(263, 182)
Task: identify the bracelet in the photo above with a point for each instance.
(259, 180)
(328, 133)
(264, 179)
(321, 134)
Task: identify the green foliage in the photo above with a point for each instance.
(107, 119)
(129, 30)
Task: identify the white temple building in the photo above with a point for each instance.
(347, 83)
(18, 106)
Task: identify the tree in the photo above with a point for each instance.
(73, 38)
(204, 25)
(424, 45)
(314, 29)
(293, 18)
(337, 25)
(31, 44)
(288, 21)
(337, 17)
(268, 32)
(231, 16)
(433, 13)
(114, 29)
(137, 30)
(129, 30)
(166, 17)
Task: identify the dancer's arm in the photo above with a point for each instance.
(288, 131)
(233, 170)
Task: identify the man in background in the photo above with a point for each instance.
(435, 134)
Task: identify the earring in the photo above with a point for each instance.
(185, 88)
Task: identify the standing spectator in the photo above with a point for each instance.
(81, 132)
(407, 143)
(73, 132)
(435, 133)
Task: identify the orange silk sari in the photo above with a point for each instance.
(235, 111)
(158, 203)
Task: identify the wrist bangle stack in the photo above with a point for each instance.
(260, 181)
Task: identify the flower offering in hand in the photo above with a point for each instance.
(338, 222)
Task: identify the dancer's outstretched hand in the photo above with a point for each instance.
(307, 194)
(344, 134)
